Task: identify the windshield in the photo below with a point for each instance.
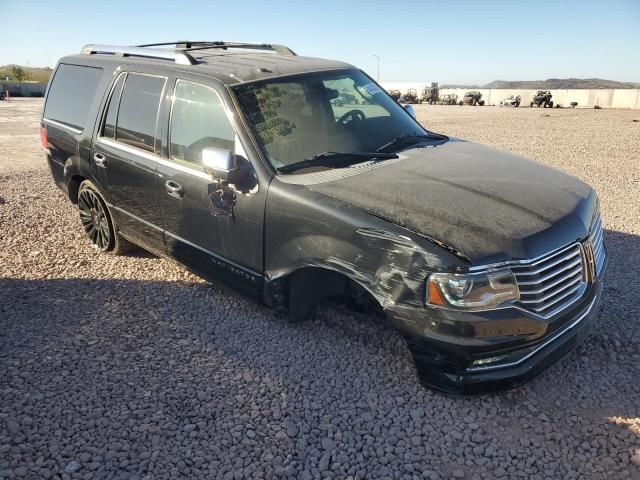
(298, 118)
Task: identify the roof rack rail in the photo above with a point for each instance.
(178, 56)
(188, 45)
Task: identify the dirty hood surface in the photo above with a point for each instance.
(488, 205)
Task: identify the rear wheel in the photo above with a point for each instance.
(97, 222)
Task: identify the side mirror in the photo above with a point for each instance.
(409, 108)
(219, 163)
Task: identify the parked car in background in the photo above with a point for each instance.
(234, 160)
(511, 101)
(542, 99)
(448, 99)
(473, 98)
(431, 94)
(410, 97)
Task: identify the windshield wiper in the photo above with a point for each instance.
(333, 159)
(408, 139)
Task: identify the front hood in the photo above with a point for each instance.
(488, 205)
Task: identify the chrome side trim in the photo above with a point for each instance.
(172, 235)
(126, 148)
(135, 217)
(184, 169)
(236, 265)
(153, 157)
(62, 125)
(539, 347)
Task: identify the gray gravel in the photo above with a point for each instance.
(131, 367)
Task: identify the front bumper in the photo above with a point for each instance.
(471, 362)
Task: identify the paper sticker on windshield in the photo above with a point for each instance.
(372, 88)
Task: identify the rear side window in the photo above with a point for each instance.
(198, 120)
(138, 112)
(71, 93)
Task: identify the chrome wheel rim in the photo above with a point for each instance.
(94, 219)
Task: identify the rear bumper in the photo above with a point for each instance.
(463, 369)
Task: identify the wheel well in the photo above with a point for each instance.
(310, 286)
(73, 186)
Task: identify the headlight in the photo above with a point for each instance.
(472, 291)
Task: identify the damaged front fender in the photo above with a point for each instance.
(306, 230)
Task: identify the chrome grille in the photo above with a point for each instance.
(551, 283)
(597, 241)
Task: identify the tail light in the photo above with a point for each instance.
(44, 143)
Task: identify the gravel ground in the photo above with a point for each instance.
(131, 367)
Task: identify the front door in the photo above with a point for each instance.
(125, 157)
(224, 244)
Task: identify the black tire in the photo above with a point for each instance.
(1, 95)
(550, 103)
(481, 103)
(97, 222)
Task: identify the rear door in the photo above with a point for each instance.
(223, 245)
(125, 155)
(69, 101)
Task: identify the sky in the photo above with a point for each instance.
(453, 42)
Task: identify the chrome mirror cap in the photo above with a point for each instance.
(218, 162)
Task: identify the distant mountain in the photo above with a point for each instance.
(34, 74)
(560, 83)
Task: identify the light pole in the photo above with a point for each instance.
(378, 59)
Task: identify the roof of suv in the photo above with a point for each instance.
(229, 66)
(256, 66)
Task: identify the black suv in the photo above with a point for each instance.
(296, 180)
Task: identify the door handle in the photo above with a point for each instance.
(100, 160)
(174, 189)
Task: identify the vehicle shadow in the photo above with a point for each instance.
(139, 252)
(195, 352)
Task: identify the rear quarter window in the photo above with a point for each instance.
(71, 93)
